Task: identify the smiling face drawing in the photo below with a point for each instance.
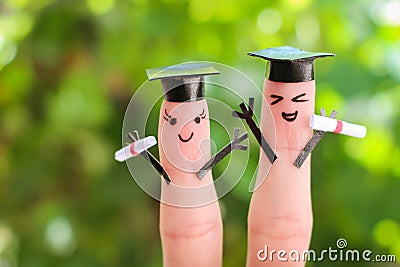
(290, 117)
(184, 132)
(292, 105)
(173, 121)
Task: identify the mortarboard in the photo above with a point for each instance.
(183, 82)
(289, 64)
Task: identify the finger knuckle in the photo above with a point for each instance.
(191, 231)
(281, 227)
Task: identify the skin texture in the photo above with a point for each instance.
(190, 236)
(280, 214)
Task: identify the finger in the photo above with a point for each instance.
(190, 220)
(191, 236)
(280, 214)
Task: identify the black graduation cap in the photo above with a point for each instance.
(183, 82)
(289, 64)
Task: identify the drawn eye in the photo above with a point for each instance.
(202, 116)
(296, 98)
(171, 120)
(278, 98)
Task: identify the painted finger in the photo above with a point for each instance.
(190, 219)
(280, 214)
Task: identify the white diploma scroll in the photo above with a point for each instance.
(135, 148)
(336, 126)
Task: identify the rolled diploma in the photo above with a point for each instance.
(134, 149)
(332, 125)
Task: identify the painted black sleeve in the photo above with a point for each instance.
(149, 157)
(247, 115)
(312, 143)
(235, 144)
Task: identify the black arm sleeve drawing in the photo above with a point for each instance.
(313, 142)
(247, 115)
(235, 144)
(149, 157)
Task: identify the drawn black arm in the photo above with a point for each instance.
(149, 157)
(235, 144)
(247, 115)
(313, 142)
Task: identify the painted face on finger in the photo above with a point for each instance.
(292, 105)
(289, 116)
(185, 134)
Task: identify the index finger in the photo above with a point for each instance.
(191, 236)
(280, 214)
(190, 219)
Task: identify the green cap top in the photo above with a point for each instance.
(287, 53)
(289, 64)
(182, 82)
(181, 70)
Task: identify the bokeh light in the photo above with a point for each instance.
(60, 237)
(269, 21)
(386, 12)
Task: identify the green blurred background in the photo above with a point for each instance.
(70, 67)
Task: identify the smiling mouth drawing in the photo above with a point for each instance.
(185, 140)
(289, 116)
